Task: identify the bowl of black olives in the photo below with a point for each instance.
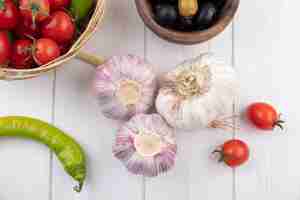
(187, 21)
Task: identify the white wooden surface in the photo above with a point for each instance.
(262, 44)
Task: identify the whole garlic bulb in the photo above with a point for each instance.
(146, 145)
(125, 86)
(198, 93)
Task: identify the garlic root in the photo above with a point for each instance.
(225, 123)
(196, 93)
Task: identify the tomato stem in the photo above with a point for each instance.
(221, 155)
(34, 8)
(279, 123)
(33, 47)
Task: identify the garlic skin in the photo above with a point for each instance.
(125, 86)
(197, 93)
(146, 145)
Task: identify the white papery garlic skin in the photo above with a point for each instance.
(125, 86)
(197, 93)
(146, 145)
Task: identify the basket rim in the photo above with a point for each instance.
(79, 43)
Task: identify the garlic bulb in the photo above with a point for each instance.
(199, 93)
(125, 86)
(146, 145)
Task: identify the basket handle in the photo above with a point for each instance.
(89, 58)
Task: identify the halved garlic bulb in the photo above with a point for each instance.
(199, 93)
(146, 145)
(125, 86)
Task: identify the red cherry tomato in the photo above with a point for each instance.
(5, 48)
(57, 4)
(35, 10)
(46, 50)
(59, 27)
(22, 54)
(26, 28)
(264, 116)
(8, 14)
(234, 153)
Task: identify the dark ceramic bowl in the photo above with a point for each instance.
(226, 15)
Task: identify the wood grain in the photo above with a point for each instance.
(263, 47)
(267, 62)
(24, 168)
(77, 112)
(195, 175)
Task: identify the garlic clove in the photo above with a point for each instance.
(112, 108)
(165, 160)
(167, 104)
(146, 145)
(125, 86)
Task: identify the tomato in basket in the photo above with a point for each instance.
(45, 51)
(5, 48)
(58, 4)
(9, 14)
(59, 27)
(22, 54)
(35, 10)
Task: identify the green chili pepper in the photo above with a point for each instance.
(80, 8)
(66, 148)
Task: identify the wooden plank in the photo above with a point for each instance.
(77, 111)
(24, 168)
(195, 174)
(268, 63)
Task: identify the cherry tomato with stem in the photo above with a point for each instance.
(35, 10)
(45, 50)
(22, 54)
(9, 14)
(26, 28)
(233, 153)
(5, 48)
(264, 116)
(59, 27)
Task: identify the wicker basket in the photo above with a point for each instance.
(17, 74)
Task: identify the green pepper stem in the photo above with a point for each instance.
(89, 58)
(78, 188)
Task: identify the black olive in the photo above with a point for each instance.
(165, 14)
(174, 2)
(185, 24)
(219, 3)
(205, 16)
